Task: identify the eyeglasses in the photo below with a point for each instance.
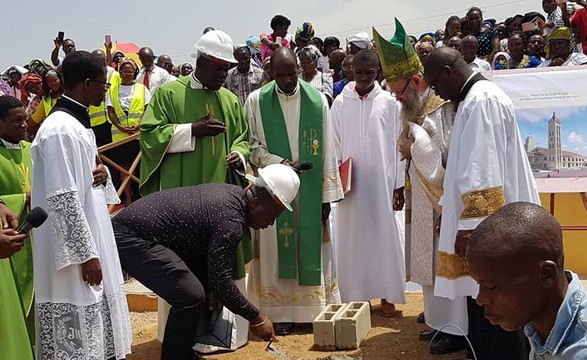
(405, 87)
(105, 83)
(432, 83)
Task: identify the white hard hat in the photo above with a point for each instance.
(217, 44)
(280, 180)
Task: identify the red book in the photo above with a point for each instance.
(346, 169)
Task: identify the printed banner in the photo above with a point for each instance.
(551, 110)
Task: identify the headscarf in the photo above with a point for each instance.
(361, 40)
(305, 32)
(51, 72)
(184, 64)
(11, 68)
(310, 52)
(127, 60)
(31, 78)
(429, 36)
(37, 64)
(561, 33)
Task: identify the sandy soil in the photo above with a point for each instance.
(388, 339)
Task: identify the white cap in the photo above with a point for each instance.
(280, 180)
(361, 40)
(217, 44)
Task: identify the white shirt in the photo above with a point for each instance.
(125, 93)
(479, 65)
(157, 77)
(572, 60)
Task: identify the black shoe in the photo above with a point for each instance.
(420, 319)
(448, 344)
(283, 329)
(427, 335)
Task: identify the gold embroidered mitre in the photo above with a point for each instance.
(398, 57)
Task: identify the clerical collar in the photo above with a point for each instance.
(279, 91)
(75, 101)
(73, 108)
(9, 145)
(196, 84)
(469, 84)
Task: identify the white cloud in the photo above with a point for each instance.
(539, 115)
(576, 143)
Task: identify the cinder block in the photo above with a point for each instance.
(323, 327)
(352, 325)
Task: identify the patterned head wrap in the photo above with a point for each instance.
(127, 60)
(305, 32)
(310, 52)
(29, 78)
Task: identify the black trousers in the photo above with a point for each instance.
(166, 274)
(491, 342)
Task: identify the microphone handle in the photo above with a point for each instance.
(24, 228)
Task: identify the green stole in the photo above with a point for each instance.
(15, 182)
(299, 245)
(177, 103)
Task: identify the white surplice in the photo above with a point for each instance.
(285, 300)
(487, 167)
(429, 154)
(74, 320)
(369, 249)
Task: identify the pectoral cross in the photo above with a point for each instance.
(210, 109)
(286, 232)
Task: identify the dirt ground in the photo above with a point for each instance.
(388, 339)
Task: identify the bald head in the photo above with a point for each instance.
(470, 39)
(284, 67)
(519, 232)
(446, 71)
(282, 55)
(146, 56)
(454, 42)
(101, 55)
(165, 62)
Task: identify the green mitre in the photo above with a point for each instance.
(397, 56)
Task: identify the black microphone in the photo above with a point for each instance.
(303, 166)
(35, 218)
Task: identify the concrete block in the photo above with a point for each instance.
(323, 327)
(139, 298)
(352, 325)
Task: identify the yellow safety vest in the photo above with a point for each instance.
(99, 114)
(137, 108)
(47, 102)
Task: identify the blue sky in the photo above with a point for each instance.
(173, 27)
(573, 127)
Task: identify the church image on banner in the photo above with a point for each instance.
(554, 157)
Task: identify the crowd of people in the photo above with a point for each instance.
(243, 155)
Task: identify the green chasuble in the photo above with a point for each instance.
(299, 247)
(177, 103)
(14, 338)
(15, 182)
